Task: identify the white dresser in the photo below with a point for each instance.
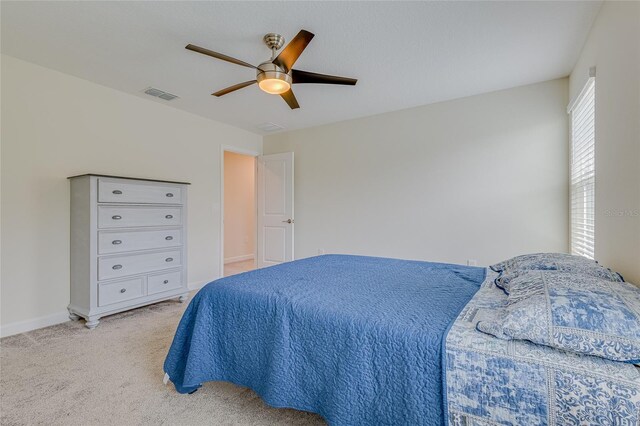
(128, 244)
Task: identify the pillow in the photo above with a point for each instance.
(511, 268)
(573, 312)
(535, 261)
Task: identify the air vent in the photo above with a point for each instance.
(159, 94)
(269, 127)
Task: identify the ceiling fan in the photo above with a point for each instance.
(276, 75)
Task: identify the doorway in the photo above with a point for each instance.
(239, 212)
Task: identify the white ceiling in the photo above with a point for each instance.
(404, 54)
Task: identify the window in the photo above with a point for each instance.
(583, 176)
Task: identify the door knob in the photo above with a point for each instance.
(288, 221)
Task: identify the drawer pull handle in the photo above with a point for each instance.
(169, 216)
(123, 290)
(168, 238)
(169, 194)
(165, 282)
(116, 191)
(116, 217)
(116, 267)
(169, 259)
(116, 242)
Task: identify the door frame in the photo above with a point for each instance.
(255, 155)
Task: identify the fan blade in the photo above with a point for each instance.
(218, 55)
(311, 77)
(294, 49)
(234, 88)
(290, 99)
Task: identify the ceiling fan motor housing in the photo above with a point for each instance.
(270, 71)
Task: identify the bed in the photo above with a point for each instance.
(363, 341)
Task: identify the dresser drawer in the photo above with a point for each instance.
(164, 282)
(121, 266)
(109, 293)
(124, 217)
(117, 242)
(110, 191)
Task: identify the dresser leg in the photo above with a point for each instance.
(73, 316)
(92, 322)
(183, 298)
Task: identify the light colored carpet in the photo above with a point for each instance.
(69, 375)
(238, 267)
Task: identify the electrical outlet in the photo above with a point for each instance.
(472, 262)
(320, 251)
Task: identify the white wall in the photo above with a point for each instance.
(55, 125)
(484, 177)
(239, 207)
(613, 47)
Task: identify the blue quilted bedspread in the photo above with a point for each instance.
(355, 339)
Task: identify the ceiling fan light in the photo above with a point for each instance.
(272, 79)
(274, 86)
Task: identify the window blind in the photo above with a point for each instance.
(583, 172)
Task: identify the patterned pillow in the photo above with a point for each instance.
(577, 313)
(533, 260)
(511, 268)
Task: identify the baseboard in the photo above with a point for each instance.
(33, 324)
(57, 318)
(238, 258)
